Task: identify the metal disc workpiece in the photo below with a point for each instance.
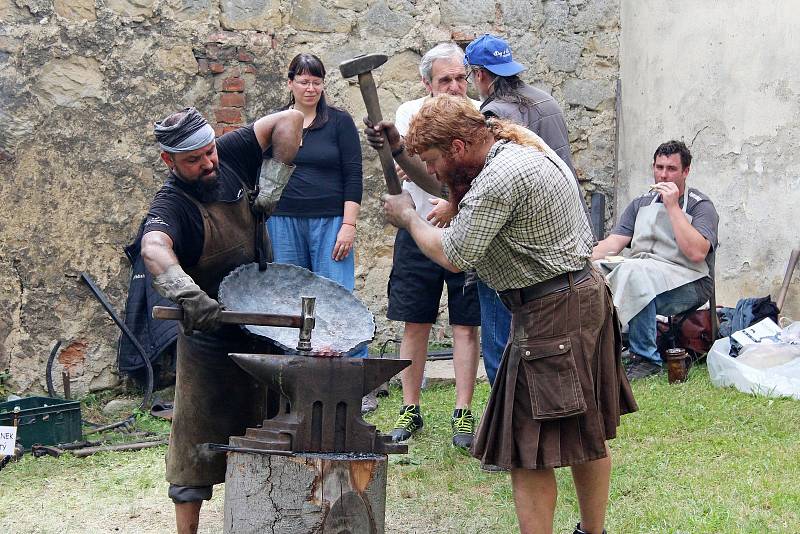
(342, 322)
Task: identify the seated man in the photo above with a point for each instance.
(672, 233)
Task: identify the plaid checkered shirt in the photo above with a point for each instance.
(521, 222)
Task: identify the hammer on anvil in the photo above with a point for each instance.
(363, 66)
(305, 321)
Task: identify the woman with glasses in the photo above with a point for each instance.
(314, 224)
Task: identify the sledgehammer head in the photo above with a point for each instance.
(361, 64)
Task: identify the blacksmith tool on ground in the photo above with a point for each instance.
(787, 278)
(362, 66)
(95, 447)
(103, 300)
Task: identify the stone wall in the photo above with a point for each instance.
(734, 100)
(82, 80)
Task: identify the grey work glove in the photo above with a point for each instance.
(200, 312)
(273, 178)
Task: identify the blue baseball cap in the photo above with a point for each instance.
(493, 54)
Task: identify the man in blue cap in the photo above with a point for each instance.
(495, 74)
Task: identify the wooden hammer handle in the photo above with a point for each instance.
(234, 317)
(370, 94)
(787, 278)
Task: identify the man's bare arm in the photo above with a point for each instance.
(429, 240)
(283, 130)
(157, 252)
(691, 242)
(400, 211)
(613, 244)
(417, 173)
(413, 166)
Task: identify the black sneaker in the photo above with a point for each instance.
(640, 367)
(408, 422)
(579, 531)
(463, 424)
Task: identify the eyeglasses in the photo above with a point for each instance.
(305, 84)
(471, 70)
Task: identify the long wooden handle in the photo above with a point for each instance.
(370, 94)
(234, 317)
(787, 278)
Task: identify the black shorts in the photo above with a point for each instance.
(415, 288)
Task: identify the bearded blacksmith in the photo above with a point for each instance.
(205, 221)
(561, 387)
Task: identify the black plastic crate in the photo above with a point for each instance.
(43, 420)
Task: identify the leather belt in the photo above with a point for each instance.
(518, 297)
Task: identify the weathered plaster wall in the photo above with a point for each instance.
(721, 76)
(82, 80)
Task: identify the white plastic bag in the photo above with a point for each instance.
(779, 381)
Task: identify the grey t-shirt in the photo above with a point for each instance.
(704, 218)
(543, 117)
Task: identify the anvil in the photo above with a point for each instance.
(320, 403)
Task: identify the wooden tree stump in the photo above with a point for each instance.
(325, 493)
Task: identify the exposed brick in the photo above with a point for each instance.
(228, 53)
(216, 68)
(233, 85)
(231, 100)
(228, 115)
(218, 130)
(462, 38)
(244, 56)
(202, 65)
(74, 355)
(221, 37)
(227, 129)
(249, 69)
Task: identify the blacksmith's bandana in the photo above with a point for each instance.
(189, 133)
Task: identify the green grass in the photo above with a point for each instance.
(694, 459)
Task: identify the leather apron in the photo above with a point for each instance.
(655, 263)
(230, 240)
(214, 397)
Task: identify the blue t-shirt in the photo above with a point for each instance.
(328, 170)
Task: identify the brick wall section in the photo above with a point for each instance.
(225, 63)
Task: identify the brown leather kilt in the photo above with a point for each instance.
(561, 387)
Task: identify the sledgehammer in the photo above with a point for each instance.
(363, 66)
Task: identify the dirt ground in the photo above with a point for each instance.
(114, 493)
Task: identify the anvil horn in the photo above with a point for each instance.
(271, 369)
(377, 371)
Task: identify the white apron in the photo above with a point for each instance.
(655, 263)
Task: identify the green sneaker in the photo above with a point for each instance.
(463, 423)
(409, 421)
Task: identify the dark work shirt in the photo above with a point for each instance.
(170, 212)
(328, 170)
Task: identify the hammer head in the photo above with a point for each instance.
(361, 64)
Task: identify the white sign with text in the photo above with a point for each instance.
(8, 437)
